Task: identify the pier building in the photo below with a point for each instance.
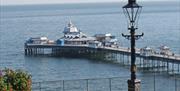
(75, 43)
(73, 36)
(165, 50)
(147, 51)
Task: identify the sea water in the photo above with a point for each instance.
(160, 22)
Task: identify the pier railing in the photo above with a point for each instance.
(149, 83)
(34, 49)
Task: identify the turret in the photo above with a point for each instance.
(70, 28)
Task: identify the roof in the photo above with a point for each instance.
(81, 39)
(39, 38)
(103, 35)
(70, 28)
(147, 48)
(164, 47)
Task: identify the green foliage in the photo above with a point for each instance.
(2, 84)
(17, 80)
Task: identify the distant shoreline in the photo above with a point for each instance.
(141, 2)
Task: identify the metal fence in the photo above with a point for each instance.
(148, 83)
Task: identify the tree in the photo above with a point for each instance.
(15, 80)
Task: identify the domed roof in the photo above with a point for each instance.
(164, 47)
(147, 48)
(70, 28)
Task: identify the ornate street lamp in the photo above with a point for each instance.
(132, 11)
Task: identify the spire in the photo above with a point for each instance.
(70, 23)
(70, 28)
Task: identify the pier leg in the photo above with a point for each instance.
(28, 50)
(167, 66)
(158, 66)
(153, 64)
(112, 57)
(42, 50)
(148, 64)
(140, 62)
(123, 58)
(127, 60)
(178, 68)
(173, 67)
(116, 57)
(25, 50)
(143, 64)
(36, 51)
(121, 55)
(31, 51)
(164, 66)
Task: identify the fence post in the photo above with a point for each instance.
(87, 85)
(154, 81)
(110, 84)
(176, 88)
(40, 86)
(63, 85)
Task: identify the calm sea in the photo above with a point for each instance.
(160, 22)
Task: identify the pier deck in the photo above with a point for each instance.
(123, 50)
(120, 55)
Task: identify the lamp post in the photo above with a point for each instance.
(132, 11)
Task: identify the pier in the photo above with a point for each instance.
(103, 47)
(121, 55)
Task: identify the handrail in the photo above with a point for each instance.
(88, 84)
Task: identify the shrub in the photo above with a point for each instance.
(15, 80)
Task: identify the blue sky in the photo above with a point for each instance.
(20, 2)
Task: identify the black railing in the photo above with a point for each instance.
(150, 83)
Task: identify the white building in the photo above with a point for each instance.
(72, 32)
(165, 50)
(95, 44)
(107, 40)
(146, 51)
(73, 36)
(38, 40)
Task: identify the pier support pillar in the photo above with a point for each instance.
(167, 66)
(134, 85)
(140, 62)
(25, 51)
(178, 67)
